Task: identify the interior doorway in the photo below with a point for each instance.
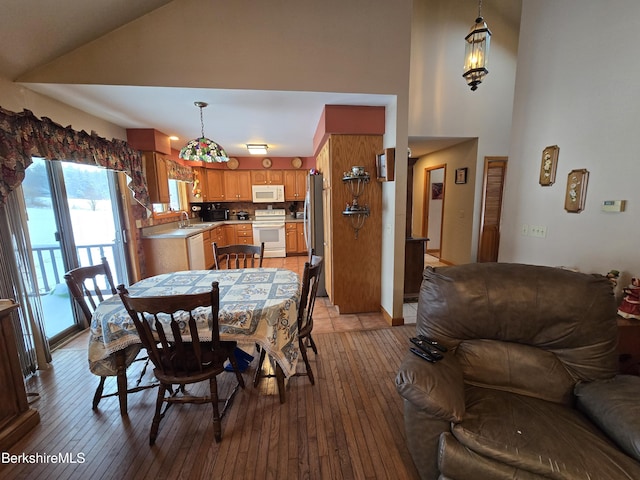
(495, 169)
(433, 208)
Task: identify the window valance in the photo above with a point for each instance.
(23, 136)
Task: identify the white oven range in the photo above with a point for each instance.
(268, 227)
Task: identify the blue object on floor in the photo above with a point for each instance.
(243, 358)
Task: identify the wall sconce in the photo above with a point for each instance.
(476, 52)
(257, 148)
(356, 180)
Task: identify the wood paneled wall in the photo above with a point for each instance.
(355, 264)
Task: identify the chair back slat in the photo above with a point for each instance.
(173, 354)
(80, 282)
(238, 256)
(310, 282)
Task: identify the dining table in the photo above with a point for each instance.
(257, 306)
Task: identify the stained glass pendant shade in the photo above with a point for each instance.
(203, 149)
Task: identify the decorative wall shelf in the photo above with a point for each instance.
(356, 213)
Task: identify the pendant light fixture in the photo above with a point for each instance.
(202, 149)
(476, 54)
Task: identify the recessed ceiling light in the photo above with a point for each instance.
(174, 138)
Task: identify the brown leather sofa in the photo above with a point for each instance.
(528, 388)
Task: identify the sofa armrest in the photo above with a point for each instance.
(436, 388)
(613, 405)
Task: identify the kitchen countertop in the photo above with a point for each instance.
(171, 231)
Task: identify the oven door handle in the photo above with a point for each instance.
(268, 225)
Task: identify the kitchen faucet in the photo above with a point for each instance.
(186, 221)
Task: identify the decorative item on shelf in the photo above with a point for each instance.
(549, 165)
(196, 191)
(461, 175)
(202, 149)
(233, 163)
(576, 195)
(630, 305)
(385, 165)
(356, 180)
(266, 163)
(476, 53)
(296, 162)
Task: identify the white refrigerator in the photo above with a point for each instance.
(314, 223)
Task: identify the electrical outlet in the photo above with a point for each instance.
(525, 229)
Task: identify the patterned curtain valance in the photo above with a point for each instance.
(23, 136)
(179, 172)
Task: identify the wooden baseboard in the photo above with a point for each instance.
(394, 322)
(18, 428)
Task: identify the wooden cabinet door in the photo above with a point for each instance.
(229, 235)
(291, 238)
(295, 185)
(302, 244)
(157, 177)
(208, 248)
(237, 185)
(215, 185)
(266, 177)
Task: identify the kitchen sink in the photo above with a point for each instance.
(197, 225)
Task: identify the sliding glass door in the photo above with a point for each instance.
(73, 219)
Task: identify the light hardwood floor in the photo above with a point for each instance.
(348, 425)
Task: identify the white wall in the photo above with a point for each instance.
(442, 105)
(577, 87)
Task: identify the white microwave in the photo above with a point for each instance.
(267, 193)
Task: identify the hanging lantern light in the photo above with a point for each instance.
(476, 54)
(202, 149)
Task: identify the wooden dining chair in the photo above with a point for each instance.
(238, 256)
(167, 328)
(310, 282)
(89, 286)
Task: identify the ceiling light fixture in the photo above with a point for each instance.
(257, 148)
(476, 53)
(202, 149)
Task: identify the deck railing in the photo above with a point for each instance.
(49, 264)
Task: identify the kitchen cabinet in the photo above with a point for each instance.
(157, 175)
(294, 237)
(16, 418)
(208, 248)
(237, 185)
(244, 234)
(267, 177)
(295, 185)
(210, 184)
(216, 191)
(228, 235)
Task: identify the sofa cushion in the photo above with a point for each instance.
(614, 406)
(538, 436)
(515, 368)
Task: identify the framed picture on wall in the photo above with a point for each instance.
(576, 195)
(461, 175)
(385, 165)
(549, 165)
